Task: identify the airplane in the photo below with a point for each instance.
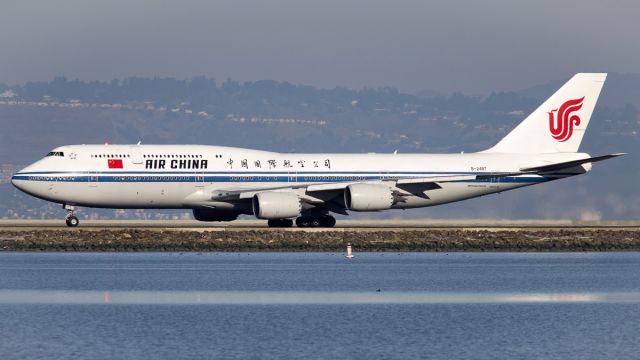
(220, 183)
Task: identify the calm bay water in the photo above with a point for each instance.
(320, 305)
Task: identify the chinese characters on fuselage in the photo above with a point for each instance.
(244, 163)
(274, 164)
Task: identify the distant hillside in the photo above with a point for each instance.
(36, 117)
(619, 90)
(265, 114)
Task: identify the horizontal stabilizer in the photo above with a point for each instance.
(568, 164)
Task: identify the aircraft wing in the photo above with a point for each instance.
(309, 192)
(323, 193)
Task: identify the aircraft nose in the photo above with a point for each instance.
(17, 181)
(21, 180)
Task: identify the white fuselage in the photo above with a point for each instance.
(185, 176)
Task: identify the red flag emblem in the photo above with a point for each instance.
(115, 163)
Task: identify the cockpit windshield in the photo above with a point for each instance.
(56, 153)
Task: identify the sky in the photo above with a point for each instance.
(474, 47)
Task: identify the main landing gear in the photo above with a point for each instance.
(316, 221)
(304, 221)
(71, 219)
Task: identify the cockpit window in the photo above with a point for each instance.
(56, 153)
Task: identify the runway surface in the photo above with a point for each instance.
(342, 225)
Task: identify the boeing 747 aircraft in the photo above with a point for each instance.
(220, 183)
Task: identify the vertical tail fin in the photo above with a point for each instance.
(558, 125)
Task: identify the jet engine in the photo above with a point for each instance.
(276, 205)
(368, 197)
(214, 215)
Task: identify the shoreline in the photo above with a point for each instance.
(319, 240)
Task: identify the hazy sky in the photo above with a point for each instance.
(469, 46)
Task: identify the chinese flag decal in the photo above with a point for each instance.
(115, 163)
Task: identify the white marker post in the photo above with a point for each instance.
(349, 251)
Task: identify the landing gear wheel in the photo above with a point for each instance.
(280, 223)
(72, 221)
(316, 221)
(302, 221)
(329, 221)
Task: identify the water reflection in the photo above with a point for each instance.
(300, 297)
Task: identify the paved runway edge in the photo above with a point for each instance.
(403, 224)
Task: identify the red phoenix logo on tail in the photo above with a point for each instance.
(561, 123)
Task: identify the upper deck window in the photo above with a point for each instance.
(56, 153)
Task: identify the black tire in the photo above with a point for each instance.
(280, 223)
(274, 223)
(316, 222)
(302, 221)
(329, 221)
(72, 221)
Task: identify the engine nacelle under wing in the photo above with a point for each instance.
(368, 197)
(276, 205)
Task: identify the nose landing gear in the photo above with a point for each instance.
(71, 219)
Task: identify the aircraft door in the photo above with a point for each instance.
(292, 177)
(136, 156)
(93, 178)
(494, 183)
(199, 179)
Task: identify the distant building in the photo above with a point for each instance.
(8, 94)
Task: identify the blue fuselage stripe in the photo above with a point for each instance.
(263, 177)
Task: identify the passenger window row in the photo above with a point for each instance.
(110, 156)
(164, 156)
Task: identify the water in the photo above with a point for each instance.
(320, 306)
